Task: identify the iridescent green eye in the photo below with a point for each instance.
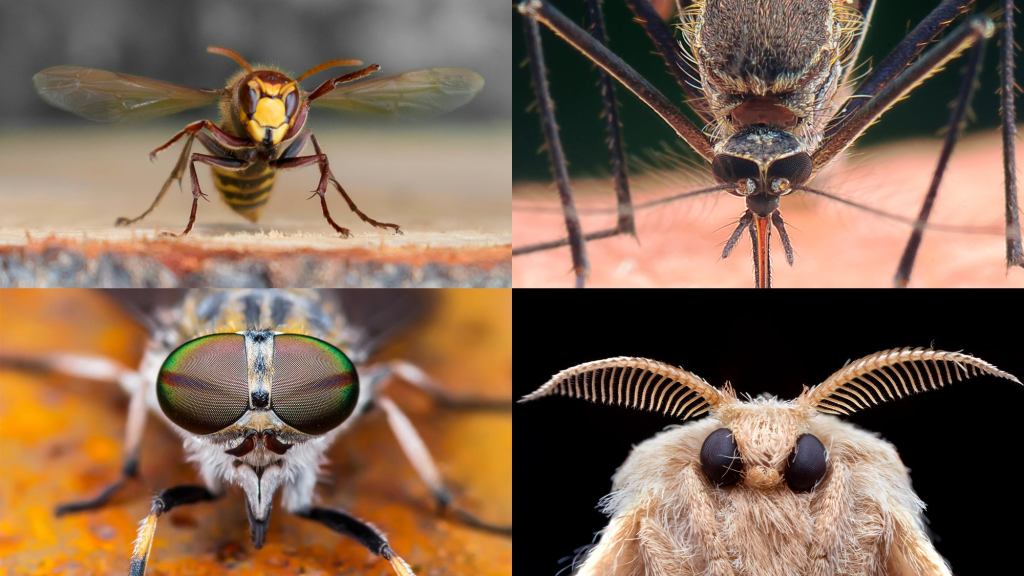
(203, 385)
(315, 385)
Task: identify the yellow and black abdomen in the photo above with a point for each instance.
(245, 191)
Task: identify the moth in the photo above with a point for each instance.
(763, 486)
(258, 384)
(772, 85)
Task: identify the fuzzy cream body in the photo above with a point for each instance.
(764, 487)
(855, 522)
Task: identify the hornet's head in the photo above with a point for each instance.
(268, 105)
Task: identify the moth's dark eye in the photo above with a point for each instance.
(730, 169)
(315, 385)
(203, 385)
(795, 168)
(806, 464)
(289, 103)
(720, 459)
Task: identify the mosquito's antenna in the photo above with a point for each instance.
(910, 221)
(230, 54)
(337, 63)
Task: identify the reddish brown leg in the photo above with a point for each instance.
(333, 83)
(223, 138)
(197, 193)
(176, 174)
(326, 175)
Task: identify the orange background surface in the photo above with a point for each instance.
(60, 439)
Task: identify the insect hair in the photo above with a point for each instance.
(763, 486)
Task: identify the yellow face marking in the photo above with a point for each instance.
(270, 115)
(269, 112)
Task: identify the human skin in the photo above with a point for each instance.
(680, 244)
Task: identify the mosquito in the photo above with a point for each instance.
(258, 384)
(775, 90)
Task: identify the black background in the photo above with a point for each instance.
(573, 86)
(960, 443)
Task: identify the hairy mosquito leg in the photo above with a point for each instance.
(1014, 249)
(780, 225)
(362, 532)
(975, 29)
(163, 502)
(541, 11)
(955, 128)
(197, 192)
(541, 246)
(664, 41)
(556, 156)
(938, 20)
(419, 456)
(613, 125)
(176, 174)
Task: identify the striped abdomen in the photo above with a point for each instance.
(245, 191)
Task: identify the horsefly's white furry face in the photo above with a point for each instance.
(764, 487)
(257, 409)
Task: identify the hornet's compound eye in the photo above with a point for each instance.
(249, 97)
(290, 101)
(315, 385)
(720, 459)
(203, 385)
(807, 464)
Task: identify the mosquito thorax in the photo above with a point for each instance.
(764, 163)
(780, 64)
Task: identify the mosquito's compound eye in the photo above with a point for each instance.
(203, 385)
(315, 385)
(807, 464)
(795, 168)
(720, 459)
(290, 102)
(729, 169)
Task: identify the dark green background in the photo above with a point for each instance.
(573, 80)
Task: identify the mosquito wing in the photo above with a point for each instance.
(419, 93)
(106, 96)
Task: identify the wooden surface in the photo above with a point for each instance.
(61, 440)
(680, 244)
(448, 188)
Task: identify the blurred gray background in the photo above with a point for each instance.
(167, 40)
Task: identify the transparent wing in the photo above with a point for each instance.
(418, 93)
(106, 96)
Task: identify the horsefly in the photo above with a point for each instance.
(773, 84)
(262, 126)
(258, 384)
(764, 486)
